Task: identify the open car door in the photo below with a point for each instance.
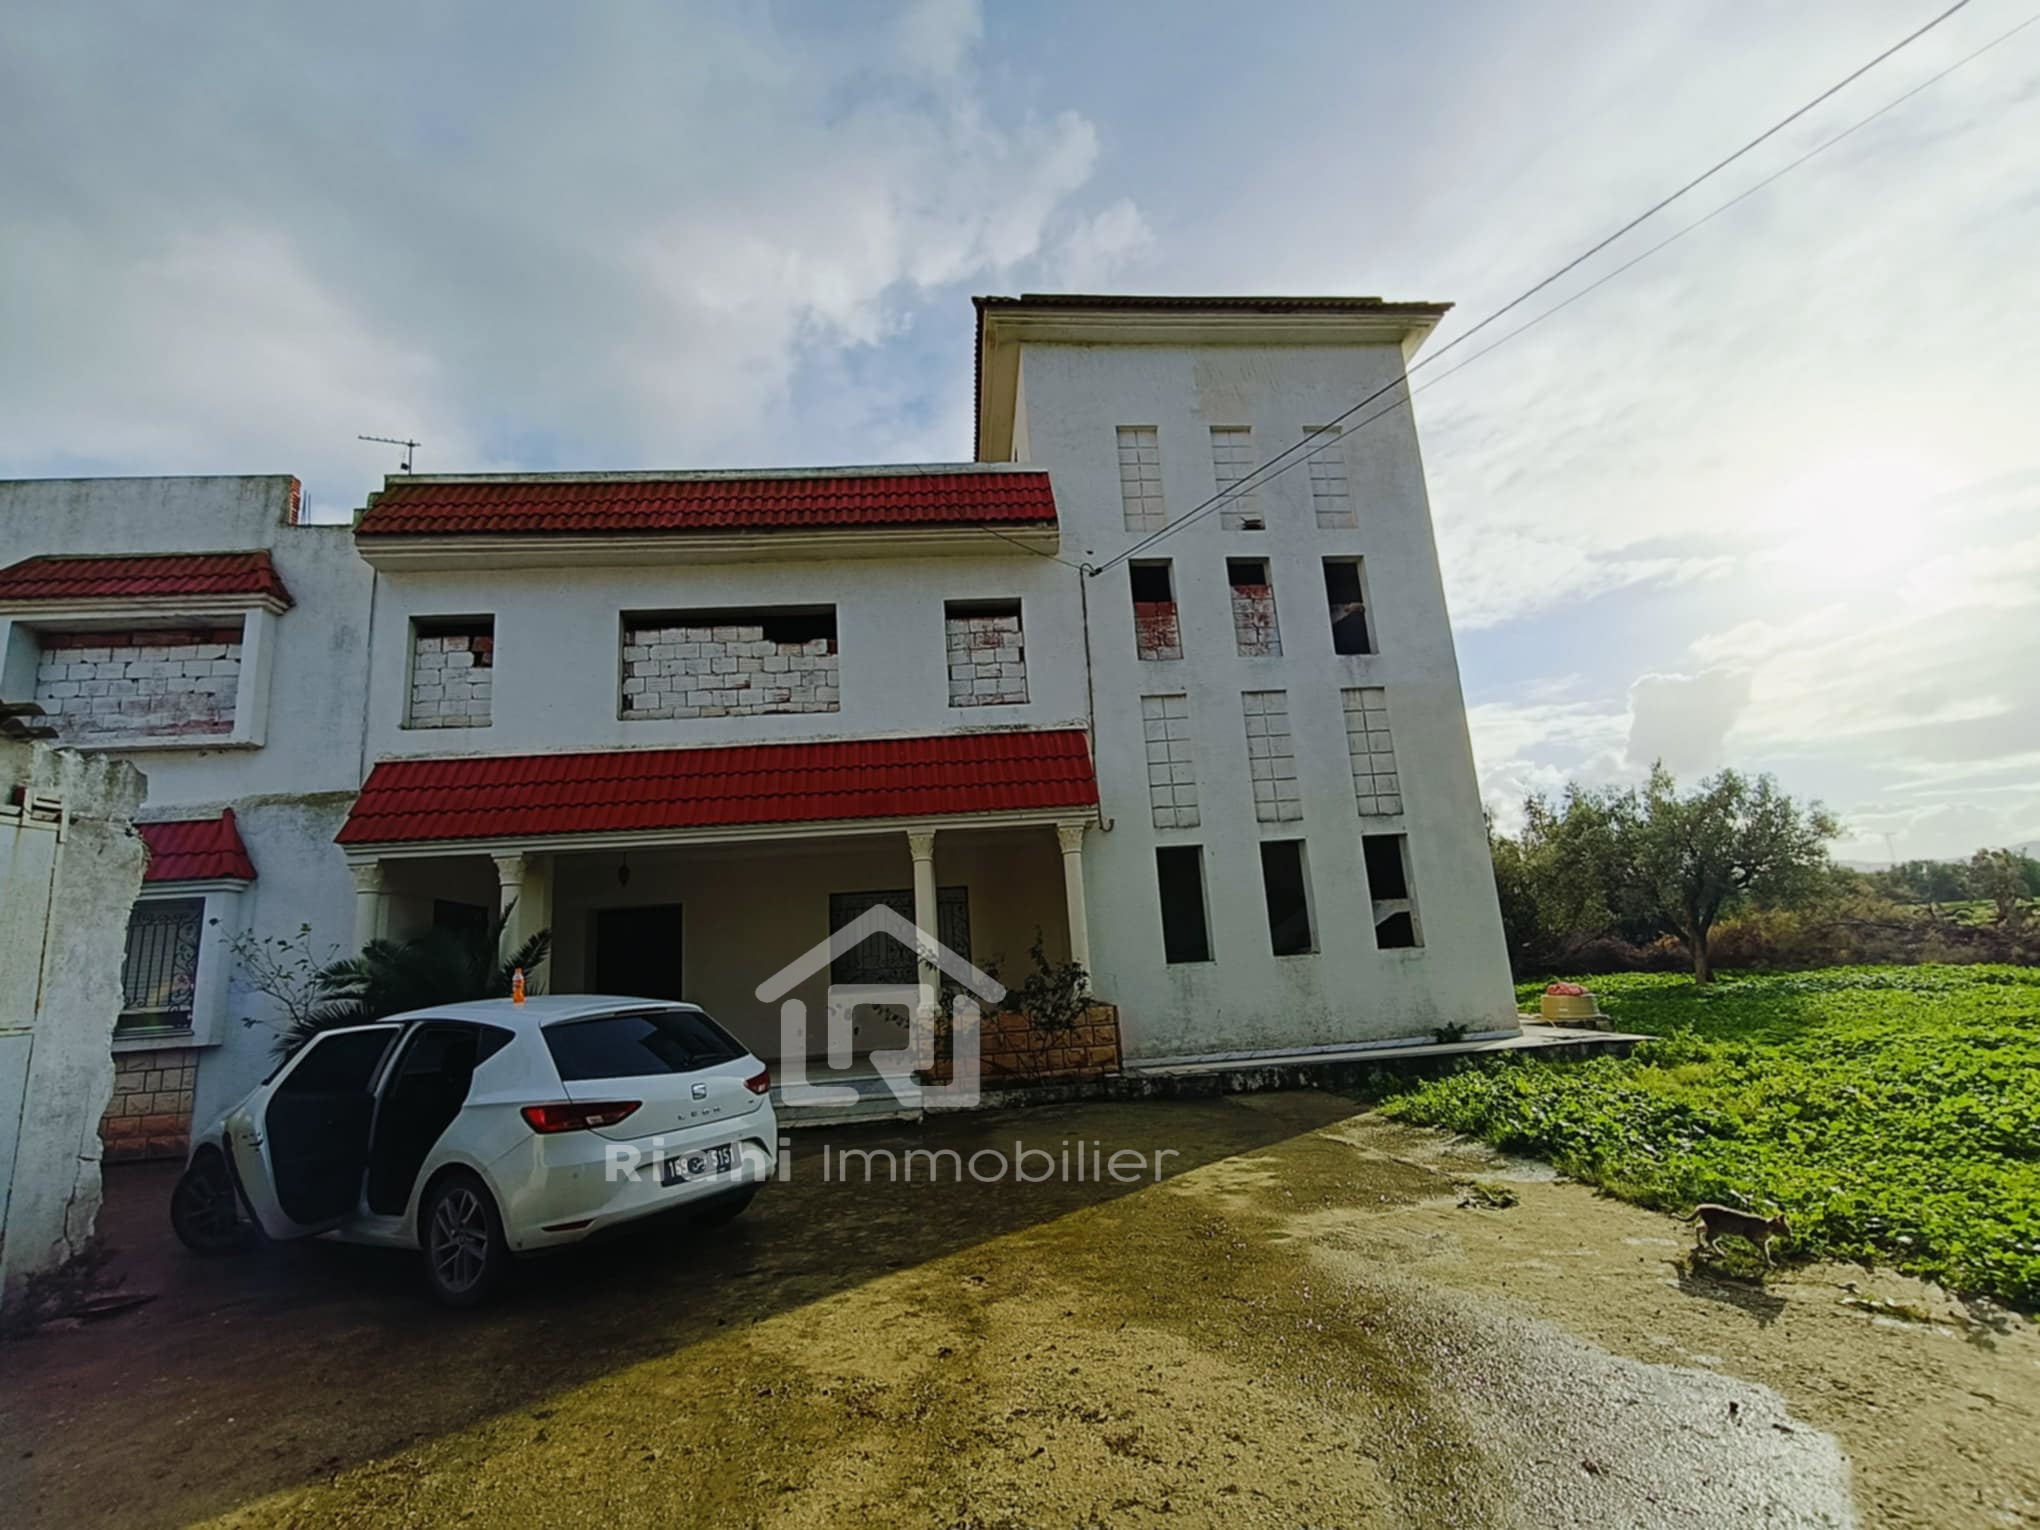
(300, 1142)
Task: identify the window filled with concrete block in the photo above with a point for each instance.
(1388, 884)
(1346, 604)
(1271, 757)
(1330, 495)
(1186, 921)
(1140, 478)
(1232, 459)
(1157, 631)
(987, 653)
(750, 662)
(453, 668)
(149, 682)
(1285, 884)
(1377, 789)
(1172, 770)
(1253, 608)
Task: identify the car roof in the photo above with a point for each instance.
(540, 1009)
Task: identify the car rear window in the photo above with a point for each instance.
(638, 1042)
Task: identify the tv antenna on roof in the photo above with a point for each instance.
(408, 446)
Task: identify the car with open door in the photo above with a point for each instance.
(480, 1132)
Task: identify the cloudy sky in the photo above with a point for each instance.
(1769, 499)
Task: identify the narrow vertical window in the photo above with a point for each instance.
(1388, 884)
(159, 974)
(453, 661)
(1232, 460)
(1253, 608)
(1347, 606)
(1172, 771)
(1186, 925)
(1157, 632)
(1271, 757)
(1140, 478)
(1287, 889)
(1377, 789)
(1330, 495)
(987, 653)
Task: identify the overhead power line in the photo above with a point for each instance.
(1324, 435)
(1403, 402)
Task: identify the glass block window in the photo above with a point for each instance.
(1377, 788)
(1330, 495)
(1140, 478)
(1172, 770)
(160, 972)
(1232, 459)
(1271, 757)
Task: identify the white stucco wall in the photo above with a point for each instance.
(1075, 397)
(63, 913)
(558, 648)
(291, 791)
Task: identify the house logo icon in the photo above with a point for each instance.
(973, 991)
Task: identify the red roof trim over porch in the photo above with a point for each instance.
(626, 790)
(196, 850)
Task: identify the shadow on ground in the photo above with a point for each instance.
(254, 1373)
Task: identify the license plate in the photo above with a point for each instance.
(698, 1164)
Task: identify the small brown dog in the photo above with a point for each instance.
(1717, 1222)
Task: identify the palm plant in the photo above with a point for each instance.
(390, 977)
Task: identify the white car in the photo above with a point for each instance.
(477, 1132)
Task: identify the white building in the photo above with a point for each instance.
(692, 722)
(194, 627)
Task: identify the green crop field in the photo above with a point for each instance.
(1893, 1113)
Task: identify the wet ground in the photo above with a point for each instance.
(1300, 1325)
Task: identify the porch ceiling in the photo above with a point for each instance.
(735, 791)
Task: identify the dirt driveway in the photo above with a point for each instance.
(1299, 1326)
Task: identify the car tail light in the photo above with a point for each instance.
(547, 1119)
(759, 1082)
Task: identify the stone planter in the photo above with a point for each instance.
(1570, 1009)
(1009, 1053)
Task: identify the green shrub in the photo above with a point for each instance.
(1892, 1113)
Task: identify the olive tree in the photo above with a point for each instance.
(1687, 860)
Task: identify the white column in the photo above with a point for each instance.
(371, 902)
(921, 845)
(1071, 837)
(510, 871)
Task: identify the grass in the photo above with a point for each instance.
(1893, 1113)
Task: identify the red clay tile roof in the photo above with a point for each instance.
(143, 576)
(623, 790)
(195, 849)
(768, 502)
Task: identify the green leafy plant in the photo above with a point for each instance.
(387, 977)
(1892, 1113)
(1055, 997)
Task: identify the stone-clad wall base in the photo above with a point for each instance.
(149, 1115)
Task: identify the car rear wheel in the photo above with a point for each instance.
(465, 1253)
(205, 1209)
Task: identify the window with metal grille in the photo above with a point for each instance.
(879, 958)
(160, 971)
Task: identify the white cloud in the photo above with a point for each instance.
(621, 237)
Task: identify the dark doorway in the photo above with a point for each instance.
(636, 951)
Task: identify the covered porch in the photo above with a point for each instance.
(676, 907)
